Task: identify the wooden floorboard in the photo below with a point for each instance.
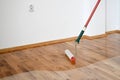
(52, 58)
(108, 69)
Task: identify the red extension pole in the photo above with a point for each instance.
(67, 52)
(87, 22)
(93, 11)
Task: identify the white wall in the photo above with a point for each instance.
(113, 15)
(51, 20)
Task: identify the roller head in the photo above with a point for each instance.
(70, 56)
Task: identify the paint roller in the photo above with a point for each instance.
(67, 52)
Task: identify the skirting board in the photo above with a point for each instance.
(6, 50)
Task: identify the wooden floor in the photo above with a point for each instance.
(108, 69)
(52, 58)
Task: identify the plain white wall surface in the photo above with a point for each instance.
(51, 20)
(112, 15)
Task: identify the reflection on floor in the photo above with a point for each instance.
(50, 62)
(104, 70)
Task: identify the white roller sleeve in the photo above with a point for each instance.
(69, 54)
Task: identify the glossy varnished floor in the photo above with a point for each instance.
(52, 58)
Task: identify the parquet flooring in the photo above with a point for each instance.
(108, 69)
(52, 58)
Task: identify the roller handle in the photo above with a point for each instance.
(87, 22)
(92, 13)
(79, 37)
